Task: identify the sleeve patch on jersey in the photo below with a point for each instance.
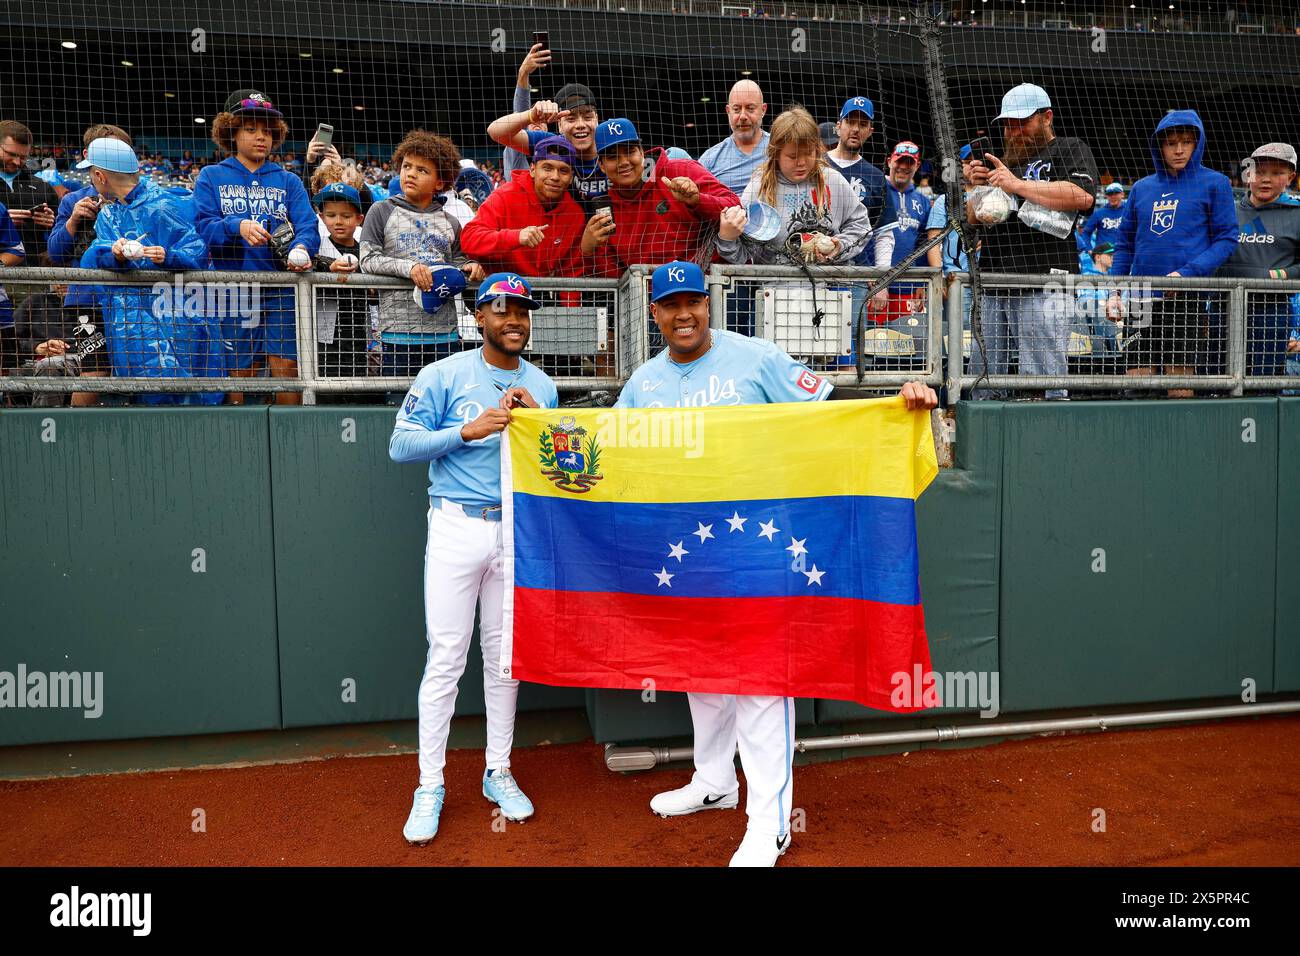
(809, 382)
(412, 397)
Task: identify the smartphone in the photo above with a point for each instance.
(324, 134)
(979, 146)
(542, 37)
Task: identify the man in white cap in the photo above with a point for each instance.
(1053, 179)
(1268, 247)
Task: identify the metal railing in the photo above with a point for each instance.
(593, 333)
(1227, 341)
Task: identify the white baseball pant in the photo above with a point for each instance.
(462, 568)
(764, 727)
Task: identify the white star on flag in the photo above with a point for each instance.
(796, 546)
(703, 531)
(814, 576)
(665, 578)
(767, 529)
(737, 522)
(676, 551)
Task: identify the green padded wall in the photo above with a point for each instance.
(957, 522)
(1185, 512)
(1287, 656)
(349, 560)
(97, 532)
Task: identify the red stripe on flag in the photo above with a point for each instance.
(831, 648)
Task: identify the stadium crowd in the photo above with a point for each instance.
(577, 194)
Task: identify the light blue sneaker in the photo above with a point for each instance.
(500, 788)
(422, 824)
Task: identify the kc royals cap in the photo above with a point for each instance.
(676, 277)
(1023, 102)
(827, 132)
(964, 152)
(448, 282)
(615, 131)
(858, 104)
(1280, 151)
(474, 181)
(337, 192)
(250, 103)
(1114, 188)
(110, 154)
(555, 147)
(505, 285)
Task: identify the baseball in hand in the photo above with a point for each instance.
(993, 207)
(825, 246)
(347, 259)
(298, 257)
(133, 249)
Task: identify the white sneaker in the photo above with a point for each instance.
(759, 849)
(691, 799)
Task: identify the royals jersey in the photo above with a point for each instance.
(452, 393)
(737, 370)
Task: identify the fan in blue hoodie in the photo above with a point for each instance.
(1180, 221)
(239, 203)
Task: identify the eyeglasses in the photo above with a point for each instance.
(12, 155)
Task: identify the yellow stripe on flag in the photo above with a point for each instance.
(802, 450)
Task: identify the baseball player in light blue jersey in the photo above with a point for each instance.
(703, 366)
(453, 418)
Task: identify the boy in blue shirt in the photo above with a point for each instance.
(1179, 221)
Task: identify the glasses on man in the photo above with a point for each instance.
(22, 157)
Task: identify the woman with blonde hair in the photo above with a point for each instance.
(822, 219)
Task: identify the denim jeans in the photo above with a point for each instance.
(1036, 324)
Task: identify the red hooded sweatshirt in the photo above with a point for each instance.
(655, 228)
(492, 237)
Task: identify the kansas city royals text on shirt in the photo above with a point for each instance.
(738, 370)
(454, 392)
(253, 201)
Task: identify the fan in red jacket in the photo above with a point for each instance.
(532, 225)
(661, 212)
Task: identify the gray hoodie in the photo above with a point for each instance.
(395, 238)
(1268, 237)
(846, 220)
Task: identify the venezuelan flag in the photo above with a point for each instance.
(758, 549)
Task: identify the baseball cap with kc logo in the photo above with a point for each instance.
(676, 277)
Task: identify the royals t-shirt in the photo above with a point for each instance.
(1014, 247)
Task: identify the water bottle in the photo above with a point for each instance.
(1054, 222)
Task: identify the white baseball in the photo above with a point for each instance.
(993, 207)
(133, 249)
(348, 259)
(298, 257)
(825, 246)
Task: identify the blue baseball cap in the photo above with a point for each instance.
(676, 277)
(964, 152)
(477, 182)
(110, 154)
(505, 285)
(448, 282)
(337, 192)
(858, 104)
(615, 131)
(1023, 102)
(1114, 188)
(554, 146)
